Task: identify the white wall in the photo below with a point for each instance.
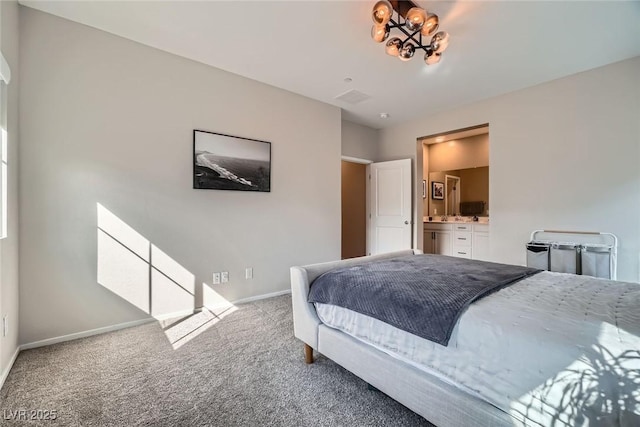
(563, 155)
(109, 121)
(359, 141)
(9, 246)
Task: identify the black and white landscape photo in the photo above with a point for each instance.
(223, 162)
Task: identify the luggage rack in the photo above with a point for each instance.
(589, 253)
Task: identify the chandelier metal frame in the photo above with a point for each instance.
(413, 22)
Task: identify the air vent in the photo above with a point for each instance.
(353, 97)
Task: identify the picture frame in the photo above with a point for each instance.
(227, 162)
(437, 190)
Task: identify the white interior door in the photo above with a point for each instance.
(390, 206)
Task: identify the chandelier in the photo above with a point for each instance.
(414, 22)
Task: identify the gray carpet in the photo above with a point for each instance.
(245, 369)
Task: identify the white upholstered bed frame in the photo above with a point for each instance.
(439, 402)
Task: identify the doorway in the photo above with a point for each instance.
(354, 209)
(452, 191)
(455, 159)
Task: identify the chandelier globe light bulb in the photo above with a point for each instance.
(381, 13)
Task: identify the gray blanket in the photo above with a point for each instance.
(421, 294)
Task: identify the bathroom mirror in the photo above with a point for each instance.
(466, 192)
(460, 161)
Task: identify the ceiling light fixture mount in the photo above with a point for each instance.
(414, 22)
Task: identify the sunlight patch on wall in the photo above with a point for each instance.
(215, 302)
(130, 266)
(123, 272)
(172, 285)
(123, 233)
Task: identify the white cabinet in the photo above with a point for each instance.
(480, 242)
(438, 239)
(442, 242)
(463, 240)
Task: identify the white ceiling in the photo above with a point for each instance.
(310, 47)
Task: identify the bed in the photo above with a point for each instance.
(550, 349)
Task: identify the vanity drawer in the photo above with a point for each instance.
(462, 238)
(462, 227)
(431, 226)
(462, 252)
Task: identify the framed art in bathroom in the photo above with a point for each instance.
(225, 162)
(437, 190)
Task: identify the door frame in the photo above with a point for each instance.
(446, 193)
(418, 207)
(367, 206)
(356, 160)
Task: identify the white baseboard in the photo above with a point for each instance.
(84, 334)
(224, 306)
(264, 296)
(5, 372)
(175, 314)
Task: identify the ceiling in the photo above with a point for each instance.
(311, 47)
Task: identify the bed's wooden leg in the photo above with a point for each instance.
(308, 354)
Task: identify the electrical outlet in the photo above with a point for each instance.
(225, 277)
(248, 273)
(5, 326)
(216, 278)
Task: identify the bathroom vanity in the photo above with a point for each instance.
(461, 239)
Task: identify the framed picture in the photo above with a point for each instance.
(437, 190)
(225, 162)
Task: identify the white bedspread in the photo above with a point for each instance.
(554, 349)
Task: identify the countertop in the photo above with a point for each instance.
(452, 220)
